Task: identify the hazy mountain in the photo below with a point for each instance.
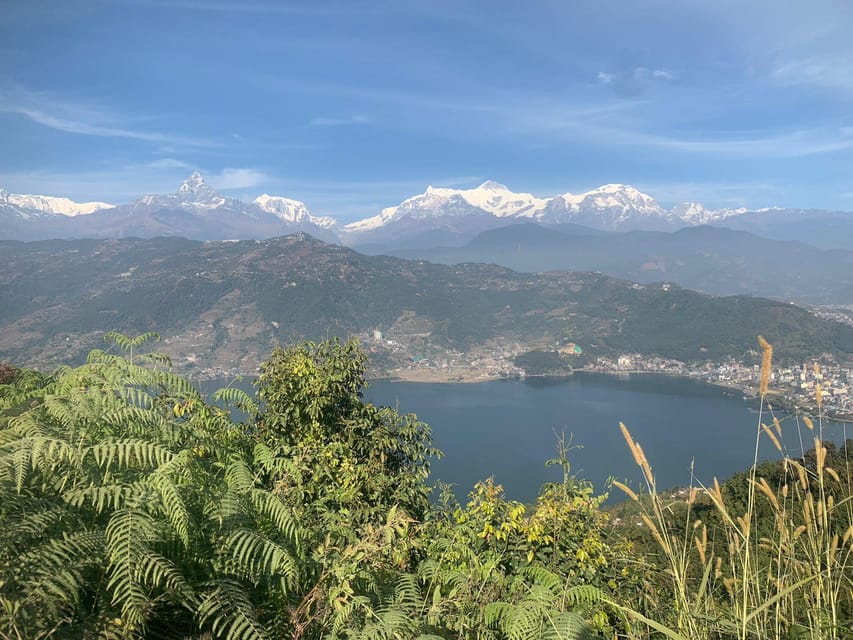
(438, 217)
(195, 211)
(825, 229)
(710, 259)
(451, 217)
(51, 204)
(228, 303)
(293, 211)
(456, 215)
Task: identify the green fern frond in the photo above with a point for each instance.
(127, 534)
(567, 625)
(277, 513)
(131, 452)
(251, 554)
(236, 397)
(230, 614)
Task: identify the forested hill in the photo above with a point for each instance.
(229, 303)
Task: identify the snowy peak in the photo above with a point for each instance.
(196, 191)
(626, 197)
(500, 201)
(194, 184)
(292, 211)
(490, 199)
(52, 204)
(694, 213)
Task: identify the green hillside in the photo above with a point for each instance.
(228, 303)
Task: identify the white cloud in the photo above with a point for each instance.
(715, 195)
(168, 163)
(605, 78)
(124, 183)
(56, 112)
(238, 178)
(663, 74)
(827, 71)
(338, 122)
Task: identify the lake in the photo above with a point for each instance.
(509, 428)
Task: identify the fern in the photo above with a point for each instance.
(229, 613)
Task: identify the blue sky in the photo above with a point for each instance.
(353, 106)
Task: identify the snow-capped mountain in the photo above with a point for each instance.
(194, 194)
(443, 216)
(694, 213)
(439, 216)
(609, 207)
(292, 211)
(34, 204)
(490, 198)
(52, 204)
(196, 211)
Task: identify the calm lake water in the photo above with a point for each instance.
(508, 429)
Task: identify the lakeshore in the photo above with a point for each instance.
(470, 375)
(510, 428)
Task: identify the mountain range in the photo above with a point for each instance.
(437, 217)
(227, 304)
(194, 211)
(713, 260)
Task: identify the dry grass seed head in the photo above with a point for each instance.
(762, 486)
(766, 364)
(772, 437)
(820, 454)
(627, 490)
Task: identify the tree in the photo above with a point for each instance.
(131, 506)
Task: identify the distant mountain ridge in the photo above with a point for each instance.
(611, 207)
(227, 304)
(51, 204)
(713, 260)
(439, 216)
(195, 211)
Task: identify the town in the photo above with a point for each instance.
(790, 386)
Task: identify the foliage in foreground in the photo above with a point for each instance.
(769, 554)
(132, 507)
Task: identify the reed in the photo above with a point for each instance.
(777, 564)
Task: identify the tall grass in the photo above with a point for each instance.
(776, 564)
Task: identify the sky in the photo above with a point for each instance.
(353, 106)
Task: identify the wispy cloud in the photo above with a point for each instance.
(339, 122)
(644, 130)
(228, 179)
(167, 163)
(792, 144)
(634, 82)
(122, 183)
(229, 6)
(61, 114)
(716, 194)
(825, 71)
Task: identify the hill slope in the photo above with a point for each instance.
(227, 304)
(709, 259)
